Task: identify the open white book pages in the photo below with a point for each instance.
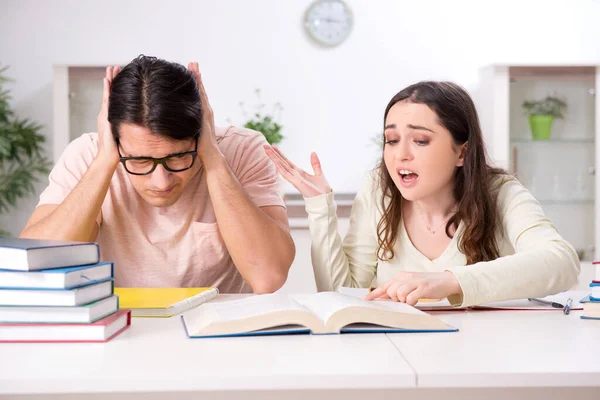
(519, 304)
(424, 304)
(321, 313)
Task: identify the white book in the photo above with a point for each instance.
(84, 314)
(321, 313)
(56, 297)
(31, 254)
(57, 278)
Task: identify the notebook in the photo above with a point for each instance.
(102, 330)
(321, 313)
(30, 254)
(57, 278)
(60, 314)
(163, 302)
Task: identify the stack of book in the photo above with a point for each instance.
(591, 304)
(57, 291)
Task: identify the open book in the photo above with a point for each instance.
(321, 313)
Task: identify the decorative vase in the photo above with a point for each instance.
(541, 126)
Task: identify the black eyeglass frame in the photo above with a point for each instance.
(156, 161)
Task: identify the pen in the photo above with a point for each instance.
(547, 303)
(568, 305)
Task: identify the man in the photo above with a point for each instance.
(169, 198)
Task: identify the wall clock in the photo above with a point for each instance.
(329, 22)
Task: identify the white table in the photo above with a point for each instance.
(531, 353)
(508, 354)
(155, 355)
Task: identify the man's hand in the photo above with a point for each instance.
(207, 144)
(107, 146)
(409, 287)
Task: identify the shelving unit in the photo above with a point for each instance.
(560, 172)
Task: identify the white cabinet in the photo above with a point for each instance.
(77, 96)
(560, 171)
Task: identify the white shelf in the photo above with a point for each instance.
(557, 140)
(558, 171)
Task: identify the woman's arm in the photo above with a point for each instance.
(543, 264)
(352, 263)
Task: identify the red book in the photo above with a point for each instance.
(101, 330)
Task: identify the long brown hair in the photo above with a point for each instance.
(472, 182)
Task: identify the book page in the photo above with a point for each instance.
(237, 315)
(252, 306)
(325, 304)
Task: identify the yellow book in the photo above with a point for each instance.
(163, 302)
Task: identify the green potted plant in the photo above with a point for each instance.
(21, 158)
(265, 123)
(541, 115)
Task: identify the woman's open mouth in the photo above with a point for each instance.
(407, 177)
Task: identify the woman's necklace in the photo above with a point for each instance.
(429, 228)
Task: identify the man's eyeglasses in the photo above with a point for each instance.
(146, 165)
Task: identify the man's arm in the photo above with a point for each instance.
(75, 217)
(257, 238)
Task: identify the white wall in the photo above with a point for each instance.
(334, 98)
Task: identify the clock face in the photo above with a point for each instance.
(329, 22)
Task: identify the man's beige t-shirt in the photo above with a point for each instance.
(176, 246)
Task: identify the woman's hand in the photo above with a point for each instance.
(409, 287)
(308, 185)
(107, 146)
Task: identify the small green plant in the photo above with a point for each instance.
(265, 123)
(21, 158)
(549, 106)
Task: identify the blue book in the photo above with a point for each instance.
(320, 314)
(57, 278)
(84, 314)
(56, 297)
(31, 255)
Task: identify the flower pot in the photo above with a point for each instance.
(541, 126)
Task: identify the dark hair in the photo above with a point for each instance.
(472, 182)
(157, 94)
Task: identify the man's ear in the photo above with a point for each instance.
(463, 152)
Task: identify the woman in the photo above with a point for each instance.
(435, 220)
